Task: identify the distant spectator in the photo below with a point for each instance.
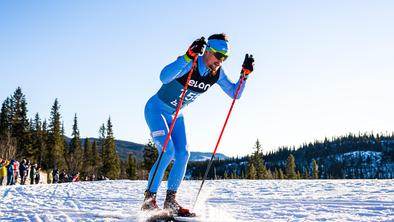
(67, 178)
(23, 171)
(55, 175)
(50, 176)
(28, 165)
(37, 177)
(62, 176)
(76, 177)
(10, 173)
(16, 172)
(33, 171)
(3, 170)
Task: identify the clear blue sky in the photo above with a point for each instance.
(323, 68)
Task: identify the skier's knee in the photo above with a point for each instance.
(169, 153)
(183, 155)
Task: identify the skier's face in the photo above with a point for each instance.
(211, 61)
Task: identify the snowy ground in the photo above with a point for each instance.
(223, 200)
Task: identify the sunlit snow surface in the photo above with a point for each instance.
(221, 200)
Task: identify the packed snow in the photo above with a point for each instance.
(221, 200)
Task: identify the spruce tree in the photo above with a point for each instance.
(251, 171)
(43, 140)
(7, 142)
(225, 175)
(269, 174)
(150, 155)
(258, 161)
(75, 151)
(281, 175)
(20, 122)
(95, 160)
(29, 152)
(242, 174)
(123, 166)
(306, 173)
(111, 163)
(291, 168)
(38, 140)
(131, 169)
(5, 118)
(86, 166)
(55, 140)
(315, 171)
(298, 175)
(65, 146)
(276, 173)
(101, 144)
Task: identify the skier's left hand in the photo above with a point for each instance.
(248, 65)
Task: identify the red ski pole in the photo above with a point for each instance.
(173, 122)
(220, 137)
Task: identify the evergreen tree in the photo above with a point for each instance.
(101, 144)
(95, 160)
(43, 149)
(75, 151)
(131, 169)
(123, 169)
(38, 141)
(86, 164)
(225, 175)
(30, 152)
(111, 163)
(234, 175)
(315, 171)
(242, 174)
(281, 175)
(7, 142)
(258, 162)
(291, 168)
(55, 140)
(306, 173)
(20, 122)
(65, 147)
(276, 173)
(298, 175)
(150, 155)
(269, 174)
(251, 171)
(5, 118)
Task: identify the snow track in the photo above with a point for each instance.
(225, 200)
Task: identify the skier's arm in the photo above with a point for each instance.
(175, 69)
(231, 88)
(183, 63)
(228, 87)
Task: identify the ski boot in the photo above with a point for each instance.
(150, 201)
(172, 205)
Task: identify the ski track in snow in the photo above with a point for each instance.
(221, 200)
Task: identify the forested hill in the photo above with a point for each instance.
(351, 156)
(124, 148)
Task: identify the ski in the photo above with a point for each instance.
(167, 216)
(187, 219)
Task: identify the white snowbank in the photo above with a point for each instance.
(222, 200)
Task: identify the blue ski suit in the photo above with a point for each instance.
(161, 107)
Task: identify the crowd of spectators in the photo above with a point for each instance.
(14, 172)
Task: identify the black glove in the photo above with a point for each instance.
(247, 66)
(197, 47)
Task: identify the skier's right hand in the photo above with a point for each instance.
(197, 47)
